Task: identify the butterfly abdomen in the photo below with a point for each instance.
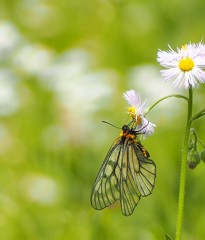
(143, 150)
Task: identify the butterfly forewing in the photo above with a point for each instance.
(107, 184)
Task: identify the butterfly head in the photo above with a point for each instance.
(127, 132)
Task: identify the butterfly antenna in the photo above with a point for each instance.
(111, 124)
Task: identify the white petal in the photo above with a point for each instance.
(134, 100)
(146, 128)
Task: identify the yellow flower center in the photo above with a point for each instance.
(132, 111)
(186, 64)
(137, 118)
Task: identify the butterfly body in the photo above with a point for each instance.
(127, 174)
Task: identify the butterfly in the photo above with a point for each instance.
(127, 174)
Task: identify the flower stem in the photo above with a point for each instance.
(162, 99)
(199, 114)
(183, 168)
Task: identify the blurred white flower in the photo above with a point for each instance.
(39, 14)
(143, 77)
(32, 59)
(185, 66)
(137, 111)
(40, 189)
(9, 97)
(9, 39)
(80, 91)
(77, 87)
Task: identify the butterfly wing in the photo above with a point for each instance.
(126, 174)
(137, 176)
(106, 189)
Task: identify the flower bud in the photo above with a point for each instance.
(193, 158)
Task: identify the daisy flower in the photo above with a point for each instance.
(185, 66)
(137, 110)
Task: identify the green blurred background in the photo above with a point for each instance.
(64, 65)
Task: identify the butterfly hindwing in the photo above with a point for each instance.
(130, 194)
(147, 170)
(138, 177)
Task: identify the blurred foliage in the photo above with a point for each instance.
(64, 66)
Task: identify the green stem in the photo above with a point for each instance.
(162, 99)
(199, 114)
(183, 168)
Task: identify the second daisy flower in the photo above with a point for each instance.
(185, 66)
